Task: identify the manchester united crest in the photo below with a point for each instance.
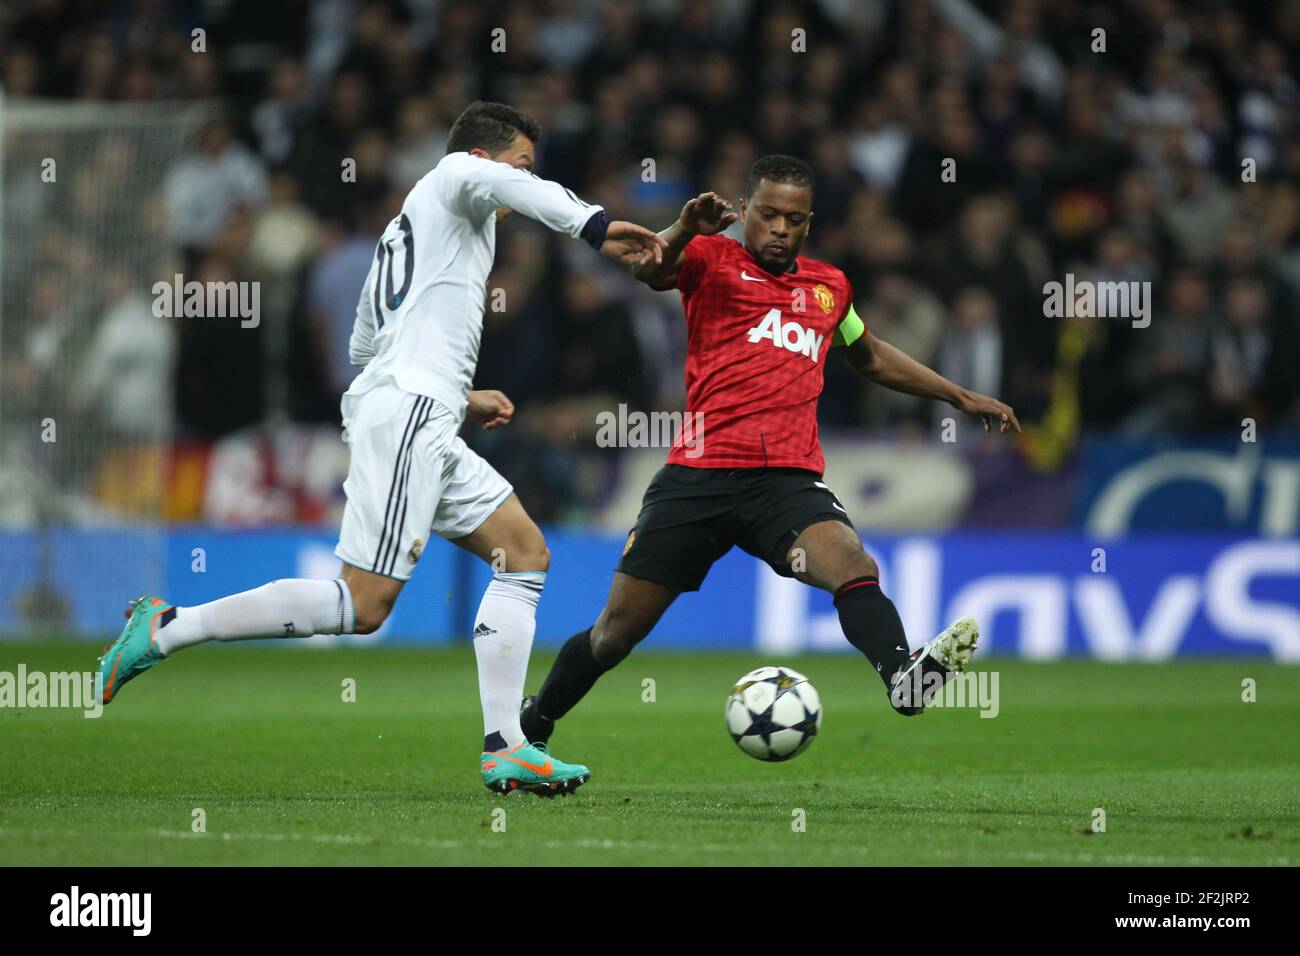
(825, 298)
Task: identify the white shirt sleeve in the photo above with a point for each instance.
(361, 344)
(478, 187)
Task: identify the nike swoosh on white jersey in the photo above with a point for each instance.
(749, 278)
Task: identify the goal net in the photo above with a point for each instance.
(86, 367)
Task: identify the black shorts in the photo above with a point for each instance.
(690, 517)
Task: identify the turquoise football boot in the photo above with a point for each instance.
(135, 650)
(529, 768)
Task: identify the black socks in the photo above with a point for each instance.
(869, 619)
(871, 623)
(574, 673)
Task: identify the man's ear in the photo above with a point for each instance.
(743, 207)
(480, 153)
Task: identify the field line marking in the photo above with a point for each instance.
(345, 839)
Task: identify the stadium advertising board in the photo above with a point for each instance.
(1038, 596)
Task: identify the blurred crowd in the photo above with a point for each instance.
(1136, 140)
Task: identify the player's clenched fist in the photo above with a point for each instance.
(490, 407)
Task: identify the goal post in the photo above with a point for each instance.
(86, 366)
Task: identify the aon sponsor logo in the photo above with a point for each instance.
(789, 334)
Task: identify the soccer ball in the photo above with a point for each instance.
(773, 713)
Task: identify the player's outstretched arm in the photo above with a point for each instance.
(886, 365)
(705, 215)
(484, 187)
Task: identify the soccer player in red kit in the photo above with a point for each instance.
(761, 320)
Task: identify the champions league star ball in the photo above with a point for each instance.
(773, 713)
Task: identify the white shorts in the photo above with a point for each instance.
(410, 475)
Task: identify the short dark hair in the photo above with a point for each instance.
(778, 168)
(490, 127)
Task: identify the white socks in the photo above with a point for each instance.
(503, 640)
(297, 607)
(293, 607)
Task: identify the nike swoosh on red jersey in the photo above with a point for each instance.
(749, 278)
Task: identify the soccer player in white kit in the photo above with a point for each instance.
(417, 331)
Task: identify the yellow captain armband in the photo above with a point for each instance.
(849, 330)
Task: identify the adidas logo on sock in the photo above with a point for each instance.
(484, 631)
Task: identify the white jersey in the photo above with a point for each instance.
(420, 316)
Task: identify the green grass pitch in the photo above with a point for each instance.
(285, 772)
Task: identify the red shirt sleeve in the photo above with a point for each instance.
(698, 259)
